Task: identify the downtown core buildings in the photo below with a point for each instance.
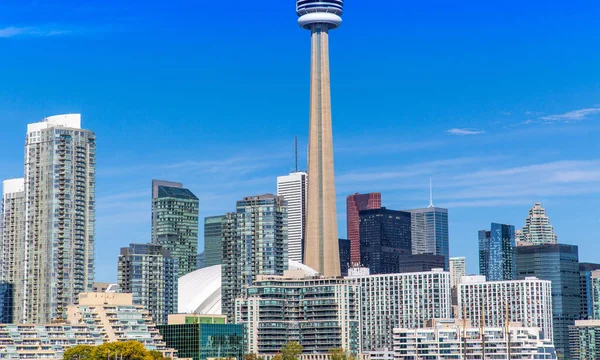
(48, 219)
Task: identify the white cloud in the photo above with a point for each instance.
(575, 115)
(463, 132)
(13, 31)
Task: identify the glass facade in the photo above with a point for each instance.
(198, 341)
(429, 228)
(344, 246)
(213, 245)
(558, 263)
(384, 236)
(354, 204)
(497, 253)
(175, 223)
(585, 287)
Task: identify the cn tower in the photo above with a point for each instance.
(321, 249)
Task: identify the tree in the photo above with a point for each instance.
(79, 352)
(339, 354)
(252, 356)
(291, 351)
(129, 350)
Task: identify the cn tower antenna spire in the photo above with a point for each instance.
(430, 194)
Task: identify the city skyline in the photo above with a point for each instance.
(472, 187)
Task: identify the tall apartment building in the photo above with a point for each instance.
(49, 221)
(527, 301)
(497, 254)
(537, 229)
(213, 244)
(175, 223)
(318, 312)
(12, 249)
(584, 340)
(294, 189)
(149, 272)
(385, 235)
(558, 263)
(586, 311)
(458, 269)
(406, 300)
(430, 232)
(116, 317)
(451, 339)
(355, 203)
(254, 243)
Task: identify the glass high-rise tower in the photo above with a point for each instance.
(429, 228)
(175, 223)
(497, 254)
(213, 244)
(355, 203)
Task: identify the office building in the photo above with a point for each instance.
(584, 340)
(318, 312)
(294, 189)
(559, 264)
(384, 236)
(254, 243)
(389, 301)
(116, 317)
(458, 269)
(527, 301)
(321, 244)
(49, 218)
(344, 246)
(497, 253)
(12, 249)
(429, 228)
(451, 339)
(355, 203)
(420, 262)
(149, 273)
(585, 289)
(175, 223)
(213, 244)
(202, 337)
(537, 229)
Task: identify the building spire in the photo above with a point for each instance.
(430, 194)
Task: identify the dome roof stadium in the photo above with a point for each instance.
(200, 290)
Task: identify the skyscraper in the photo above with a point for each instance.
(497, 253)
(254, 243)
(294, 189)
(354, 204)
(149, 273)
(586, 290)
(12, 249)
(321, 244)
(384, 236)
(537, 229)
(344, 245)
(458, 269)
(56, 253)
(213, 244)
(558, 263)
(175, 223)
(430, 232)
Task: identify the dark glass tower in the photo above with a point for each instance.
(213, 244)
(384, 236)
(354, 204)
(497, 253)
(344, 245)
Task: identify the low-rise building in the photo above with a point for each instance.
(453, 339)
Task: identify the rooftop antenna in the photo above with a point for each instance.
(430, 194)
(296, 151)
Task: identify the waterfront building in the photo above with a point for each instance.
(537, 229)
(355, 203)
(385, 235)
(527, 301)
(294, 189)
(202, 337)
(345, 250)
(213, 240)
(175, 223)
(451, 339)
(558, 263)
(321, 244)
(321, 313)
(254, 243)
(49, 216)
(149, 273)
(584, 340)
(497, 254)
(430, 235)
(399, 300)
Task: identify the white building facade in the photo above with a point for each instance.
(537, 229)
(458, 269)
(527, 301)
(293, 188)
(404, 300)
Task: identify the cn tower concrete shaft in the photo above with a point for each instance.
(321, 244)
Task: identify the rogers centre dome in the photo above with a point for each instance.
(200, 290)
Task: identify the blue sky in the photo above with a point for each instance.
(498, 103)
